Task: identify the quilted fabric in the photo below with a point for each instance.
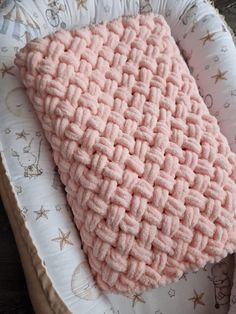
(149, 176)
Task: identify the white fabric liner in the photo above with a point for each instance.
(39, 192)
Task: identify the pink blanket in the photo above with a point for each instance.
(148, 175)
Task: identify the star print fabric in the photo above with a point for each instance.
(43, 207)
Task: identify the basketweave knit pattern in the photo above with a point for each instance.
(149, 176)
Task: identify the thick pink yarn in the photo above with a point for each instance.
(149, 177)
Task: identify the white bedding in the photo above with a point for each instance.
(209, 49)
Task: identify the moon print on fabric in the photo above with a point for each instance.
(208, 101)
(18, 103)
(83, 284)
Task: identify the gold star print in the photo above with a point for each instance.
(197, 299)
(207, 37)
(21, 134)
(81, 4)
(63, 239)
(220, 76)
(41, 213)
(6, 70)
(137, 297)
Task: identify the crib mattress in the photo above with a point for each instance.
(56, 269)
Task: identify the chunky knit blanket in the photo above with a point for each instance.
(148, 175)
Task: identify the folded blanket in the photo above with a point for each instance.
(148, 175)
